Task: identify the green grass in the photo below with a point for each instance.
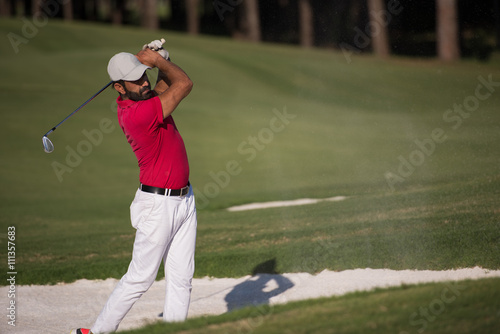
(464, 307)
(351, 123)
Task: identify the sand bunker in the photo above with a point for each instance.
(277, 204)
(58, 308)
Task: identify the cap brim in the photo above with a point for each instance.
(136, 73)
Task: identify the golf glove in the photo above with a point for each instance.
(157, 45)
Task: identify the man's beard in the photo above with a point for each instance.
(141, 96)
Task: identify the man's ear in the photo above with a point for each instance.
(119, 88)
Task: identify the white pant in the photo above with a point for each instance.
(166, 231)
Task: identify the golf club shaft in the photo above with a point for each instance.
(80, 107)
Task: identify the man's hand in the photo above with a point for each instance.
(173, 84)
(149, 57)
(157, 45)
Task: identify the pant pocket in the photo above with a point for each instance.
(141, 208)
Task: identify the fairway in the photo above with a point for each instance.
(412, 145)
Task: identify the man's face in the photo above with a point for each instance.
(138, 90)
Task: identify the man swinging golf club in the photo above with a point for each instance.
(163, 211)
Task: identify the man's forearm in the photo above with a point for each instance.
(174, 85)
(161, 83)
(170, 73)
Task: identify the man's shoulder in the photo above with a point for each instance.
(125, 105)
(145, 112)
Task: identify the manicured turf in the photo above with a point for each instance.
(463, 307)
(263, 122)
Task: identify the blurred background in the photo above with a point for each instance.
(364, 83)
(448, 29)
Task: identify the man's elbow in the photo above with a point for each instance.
(188, 86)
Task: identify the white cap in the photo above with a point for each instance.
(125, 66)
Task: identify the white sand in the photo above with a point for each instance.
(56, 309)
(277, 204)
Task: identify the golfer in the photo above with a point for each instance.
(163, 211)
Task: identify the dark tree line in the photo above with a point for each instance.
(458, 27)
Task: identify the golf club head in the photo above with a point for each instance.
(48, 147)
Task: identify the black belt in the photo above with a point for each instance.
(165, 192)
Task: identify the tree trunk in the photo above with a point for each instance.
(150, 18)
(36, 7)
(447, 30)
(5, 8)
(378, 27)
(497, 22)
(252, 21)
(117, 11)
(193, 25)
(95, 10)
(306, 23)
(68, 10)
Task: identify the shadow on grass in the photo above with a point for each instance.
(264, 284)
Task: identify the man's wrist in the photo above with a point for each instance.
(161, 64)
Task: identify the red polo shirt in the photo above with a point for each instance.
(156, 142)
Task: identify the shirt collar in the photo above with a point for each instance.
(124, 103)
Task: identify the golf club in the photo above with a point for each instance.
(48, 147)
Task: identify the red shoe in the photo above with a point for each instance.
(80, 331)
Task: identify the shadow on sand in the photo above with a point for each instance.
(264, 284)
